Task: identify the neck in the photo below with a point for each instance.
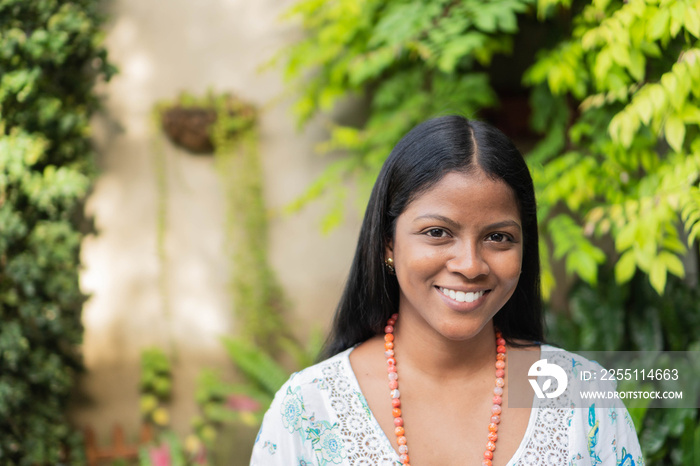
(438, 357)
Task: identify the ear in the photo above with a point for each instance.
(389, 249)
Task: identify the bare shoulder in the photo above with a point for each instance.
(367, 355)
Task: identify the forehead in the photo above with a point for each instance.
(467, 194)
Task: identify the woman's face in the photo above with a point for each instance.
(457, 251)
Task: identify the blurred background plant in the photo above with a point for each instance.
(165, 449)
(51, 56)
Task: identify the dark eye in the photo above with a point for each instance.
(436, 233)
(497, 237)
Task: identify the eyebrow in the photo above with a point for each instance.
(453, 224)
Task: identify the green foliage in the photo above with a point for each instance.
(223, 403)
(615, 96)
(627, 164)
(156, 390)
(50, 58)
(156, 386)
(408, 59)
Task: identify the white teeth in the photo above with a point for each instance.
(462, 296)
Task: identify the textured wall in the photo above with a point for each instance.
(162, 48)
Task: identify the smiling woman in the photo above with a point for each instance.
(444, 284)
(457, 253)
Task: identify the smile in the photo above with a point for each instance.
(462, 296)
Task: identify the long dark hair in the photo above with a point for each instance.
(419, 161)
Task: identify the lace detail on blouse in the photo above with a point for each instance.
(320, 417)
(363, 444)
(547, 439)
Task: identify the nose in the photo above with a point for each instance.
(468, 261)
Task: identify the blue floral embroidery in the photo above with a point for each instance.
(332, 446)
(574, 366)
(259, 433)
(626, 459)
(613, 415)
(271, 447)
(363, 401)
(593, 436)
(292, 410)
(326, 442)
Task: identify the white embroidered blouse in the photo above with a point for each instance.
(320, 417)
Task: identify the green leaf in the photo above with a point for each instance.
(657, 25)
(672, 263)
(692, 20)
(257, 365)
(454, 50)
(625, 267)
(690, 439)
(674, 130)
(657, 275)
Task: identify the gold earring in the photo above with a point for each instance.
(389, 262)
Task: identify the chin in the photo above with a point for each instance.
(462, 332)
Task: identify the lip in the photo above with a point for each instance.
(462, 306)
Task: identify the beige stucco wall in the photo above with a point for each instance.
(162, 48)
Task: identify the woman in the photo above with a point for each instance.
(444, 285)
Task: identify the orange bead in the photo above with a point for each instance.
(401, 440)
(493, 427)
(399, 431)
(404, 458)
(493, 436)
(398, 421)
(396, 412)
(395, 403)
(388, 345)
(499, 348)
(488, 455)
(490, 446)
(389, 337)
(486, 463)
(501, 356)
(500, 364)
(391, 361)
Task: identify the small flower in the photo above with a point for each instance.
(160, 456)
(242, 403)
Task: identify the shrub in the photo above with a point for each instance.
(50, 58)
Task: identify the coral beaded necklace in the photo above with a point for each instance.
(396, 400)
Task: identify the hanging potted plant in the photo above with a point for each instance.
(190, 122)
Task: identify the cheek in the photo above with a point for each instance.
(509, 266)
(416, 263)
